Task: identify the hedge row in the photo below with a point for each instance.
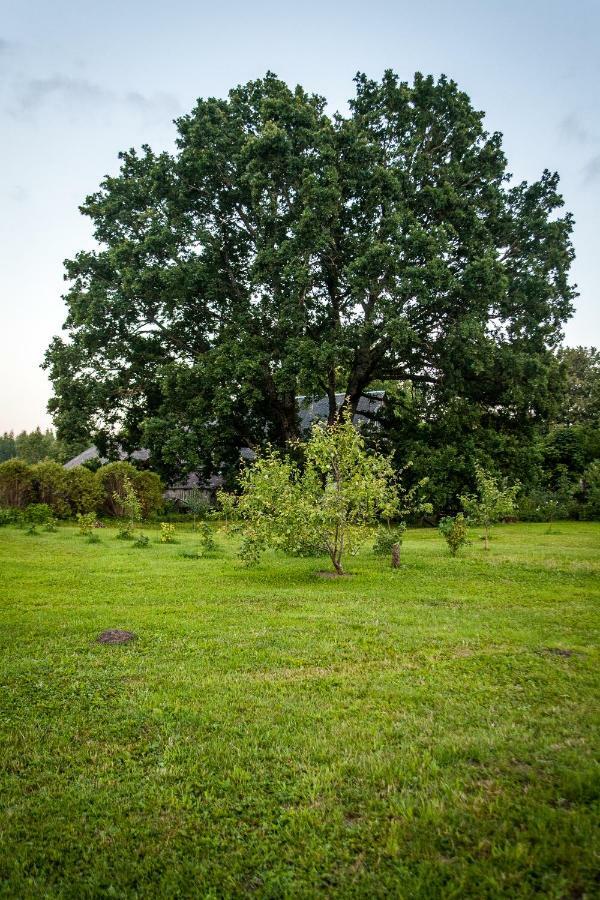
(71, 491)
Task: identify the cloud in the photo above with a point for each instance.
(573, 129)
(591, 170)
(37, 92)
(78, 95)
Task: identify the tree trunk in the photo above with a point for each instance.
(396, 556)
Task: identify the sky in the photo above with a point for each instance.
(82, 80)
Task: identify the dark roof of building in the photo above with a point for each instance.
(310, 411)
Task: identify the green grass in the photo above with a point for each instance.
(400, 733)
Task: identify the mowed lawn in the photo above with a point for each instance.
(427, 732)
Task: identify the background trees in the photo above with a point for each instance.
(284, 251)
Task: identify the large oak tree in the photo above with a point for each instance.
(282, 250)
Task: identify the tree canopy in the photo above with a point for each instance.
(282, 250)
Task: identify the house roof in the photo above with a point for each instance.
(310, 411)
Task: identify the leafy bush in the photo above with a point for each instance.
(167, 533)
(9, 516)
(38, 513)
(87, 523)
(111, 480)
(590, 505)
(207, 538)
(50, 487)
(142, 540)
(149, 489)
(16, 483)
(455, 532)
(83, 490)
(492, 503)
(93, 538)
(386, 537)
(129, 502)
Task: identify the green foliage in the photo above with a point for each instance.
(387, 244)
(546, 505)
(207, 538)
(7, 446)
(35, 446)
(455, 532)
(142, 541)
(50, 485)
(580, 398)
(9, 515)
(87, 523)
(167, 533)
(83, 490)
(16, 483)
(385, 538)
(128, 501)
(112, 479)
(590, 501)
(326, 506)
(93, 538)
(492, 502)
(38, 513)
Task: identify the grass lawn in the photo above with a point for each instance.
(411, 733)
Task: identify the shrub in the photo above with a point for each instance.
(129, 502)
(87, 523)
(50, 487)
(590, 507)
(38, 513)
(83, 490)
(141, 541)
(455, 532)
(386, 537)
(207, 538)
(16, 483)
(149, 489)
(167, 533)
(111, 482)
(491, 504)
(93, 538)
(9, 516)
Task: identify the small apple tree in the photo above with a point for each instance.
(491, 504)
(324, 507)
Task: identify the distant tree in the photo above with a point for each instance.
(491, 504)
(16, 483)
(283, 251)
(34, 446)
(580, 400)
(8, 448)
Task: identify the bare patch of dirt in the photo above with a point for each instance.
(115, 636)
(558, 651)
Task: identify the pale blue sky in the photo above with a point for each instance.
(80, 81)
